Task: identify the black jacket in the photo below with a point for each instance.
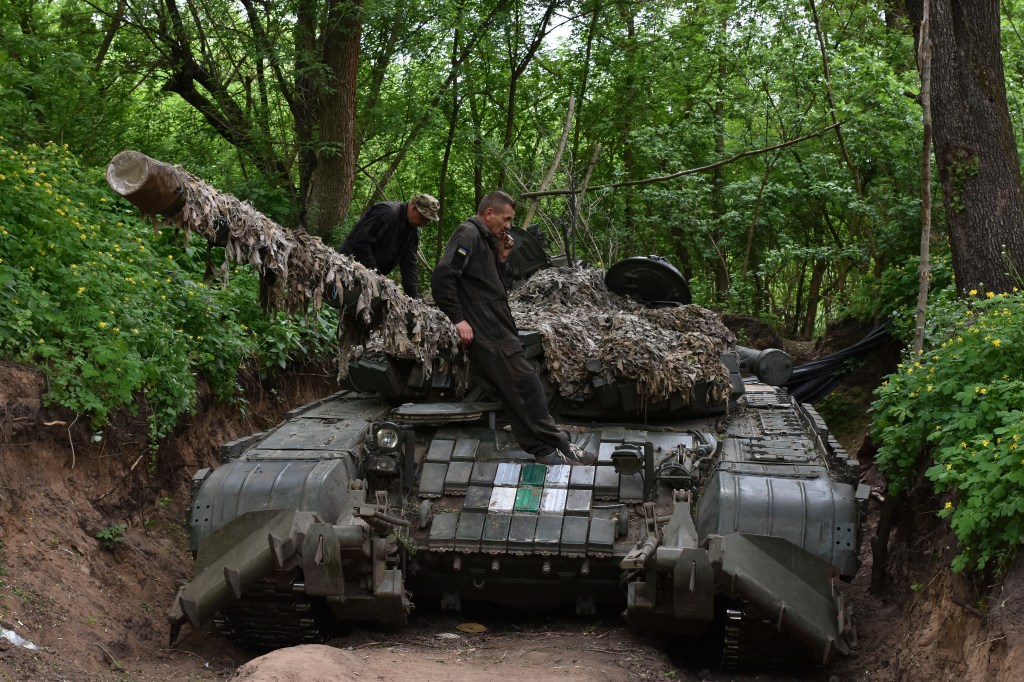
(467, 285)
(382, 239)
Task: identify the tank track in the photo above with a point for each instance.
(269, 617)
(756, 644)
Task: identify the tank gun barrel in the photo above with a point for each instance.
(772, 366)
(153, 186)
(297, 270)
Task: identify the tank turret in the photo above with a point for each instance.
(717, 506)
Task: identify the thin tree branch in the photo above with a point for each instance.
(691, 171)
(858, 183)
(554, 164)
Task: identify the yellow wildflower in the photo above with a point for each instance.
(949, 505)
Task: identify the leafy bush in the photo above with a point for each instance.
(960, 403)
(893, 294)
(114, 314)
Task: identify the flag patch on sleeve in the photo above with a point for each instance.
(462, 252)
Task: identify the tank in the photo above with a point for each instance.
(722, 509)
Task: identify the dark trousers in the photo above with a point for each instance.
(514, 379)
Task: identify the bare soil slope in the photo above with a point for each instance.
(96, 613)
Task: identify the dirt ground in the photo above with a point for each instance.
(95, 610)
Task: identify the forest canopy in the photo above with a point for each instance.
(312, 110)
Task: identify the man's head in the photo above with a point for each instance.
(423, 208)
(496, 211)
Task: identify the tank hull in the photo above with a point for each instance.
(353, 512)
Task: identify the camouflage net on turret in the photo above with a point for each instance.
(665, 350)
(297, 270)
(587, 331)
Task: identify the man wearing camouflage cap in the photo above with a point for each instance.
(387, 236)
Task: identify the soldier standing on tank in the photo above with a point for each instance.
(387, 235)
(468, 287)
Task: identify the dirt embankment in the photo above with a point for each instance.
(96, 610)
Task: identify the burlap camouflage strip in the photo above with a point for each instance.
(297, 270)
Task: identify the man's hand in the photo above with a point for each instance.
(505, 244)
(465, 333)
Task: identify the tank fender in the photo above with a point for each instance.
(786, 585)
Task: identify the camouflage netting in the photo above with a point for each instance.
(665, 350)
(587, 331)
(297, 270)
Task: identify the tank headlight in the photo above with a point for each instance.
(627, 459)
(388, 437)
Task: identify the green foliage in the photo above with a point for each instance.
(893, 295)
(112, 313)
(957, 411)
(661, 86)
(111, 536)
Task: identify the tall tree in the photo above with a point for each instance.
(515, 42)
(975, 150)
(237, 69)
(330, 183)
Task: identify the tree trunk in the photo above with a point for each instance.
(813, 299)
(478, 151)
(453, 121)
(628, 111)
(388, 40)
(581, 93)
(924, 60)
(302, 107)
(517, 67)
(718, 265)
(116, 19)
(860, 224)
(330, 187)
(975, 151)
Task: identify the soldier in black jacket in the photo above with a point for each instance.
(387, 236)
(469, 289)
